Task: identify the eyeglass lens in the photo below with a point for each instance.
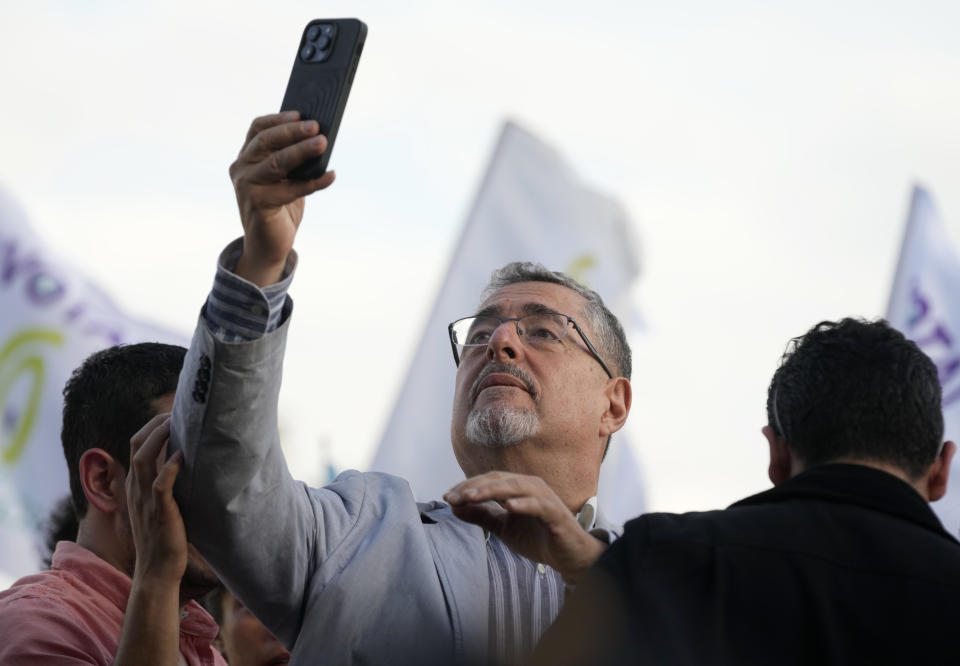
(477, 331)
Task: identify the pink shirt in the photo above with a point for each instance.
(73, 614)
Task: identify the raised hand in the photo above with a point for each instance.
(158, 532)
(528, 516)
(271, 207)
(151, 624)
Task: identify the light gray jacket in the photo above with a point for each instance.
(356, 572)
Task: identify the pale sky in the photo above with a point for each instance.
(764, 151)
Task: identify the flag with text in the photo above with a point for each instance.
(52, 320)
(925, 306)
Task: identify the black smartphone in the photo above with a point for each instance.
(320, 81)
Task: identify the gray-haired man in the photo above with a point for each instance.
(359, 571)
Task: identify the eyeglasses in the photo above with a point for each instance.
(534, 329)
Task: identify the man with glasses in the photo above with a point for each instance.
(359, 571)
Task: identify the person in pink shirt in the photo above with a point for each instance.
(124, 592)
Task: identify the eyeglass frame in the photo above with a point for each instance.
(570, 320)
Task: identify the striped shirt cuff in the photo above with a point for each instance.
(238, 310)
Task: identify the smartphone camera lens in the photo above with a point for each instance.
(318, 43)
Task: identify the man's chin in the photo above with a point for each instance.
(500, 427)
(494, 442)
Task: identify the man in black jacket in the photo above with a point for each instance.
(842, 562)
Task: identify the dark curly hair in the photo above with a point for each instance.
(857, 389)
(109, 398)
(60, 525)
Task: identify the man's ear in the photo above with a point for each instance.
(103, 480)
(619, 398)
(939, 473)
(780, 459)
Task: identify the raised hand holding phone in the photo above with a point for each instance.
(284, 157)
(271, 206)
(320, 81)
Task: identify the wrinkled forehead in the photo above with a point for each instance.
(523, 298)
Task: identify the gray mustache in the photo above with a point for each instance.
(507, 369)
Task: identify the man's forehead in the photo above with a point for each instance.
(532, 297)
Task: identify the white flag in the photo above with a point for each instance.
(530, 208)
(925, 306)
(52, 319)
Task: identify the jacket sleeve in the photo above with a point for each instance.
(262, 532)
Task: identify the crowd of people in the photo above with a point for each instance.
(187, 541)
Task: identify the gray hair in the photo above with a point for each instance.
(610, 339)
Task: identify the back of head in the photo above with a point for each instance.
(109, 398)
(857, 390)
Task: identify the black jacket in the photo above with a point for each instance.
(842, 564)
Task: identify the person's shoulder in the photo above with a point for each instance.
(661, 541)
(54, 592)
(742, 523)
(694, 525)
(370, 481)
(41, 587)
(360, 492)
(40, 615)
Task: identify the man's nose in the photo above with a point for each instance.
(504, 343)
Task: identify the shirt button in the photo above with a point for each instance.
(541, 569)
(258, 310)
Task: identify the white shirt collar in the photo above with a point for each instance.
(587, 516)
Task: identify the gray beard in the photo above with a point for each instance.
(499, 427)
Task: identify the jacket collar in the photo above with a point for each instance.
(858, 485)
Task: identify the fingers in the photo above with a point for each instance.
(496, 486)
(276, 148)
(163, 484)
(155, 522)
(282, 193)
(146, 446)
(273, 153)
(517, 494)
(531, 506)
(268, 121)
(488, 515)
(275, 145)
(144, 454)
(137, 441)
(148, 465)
